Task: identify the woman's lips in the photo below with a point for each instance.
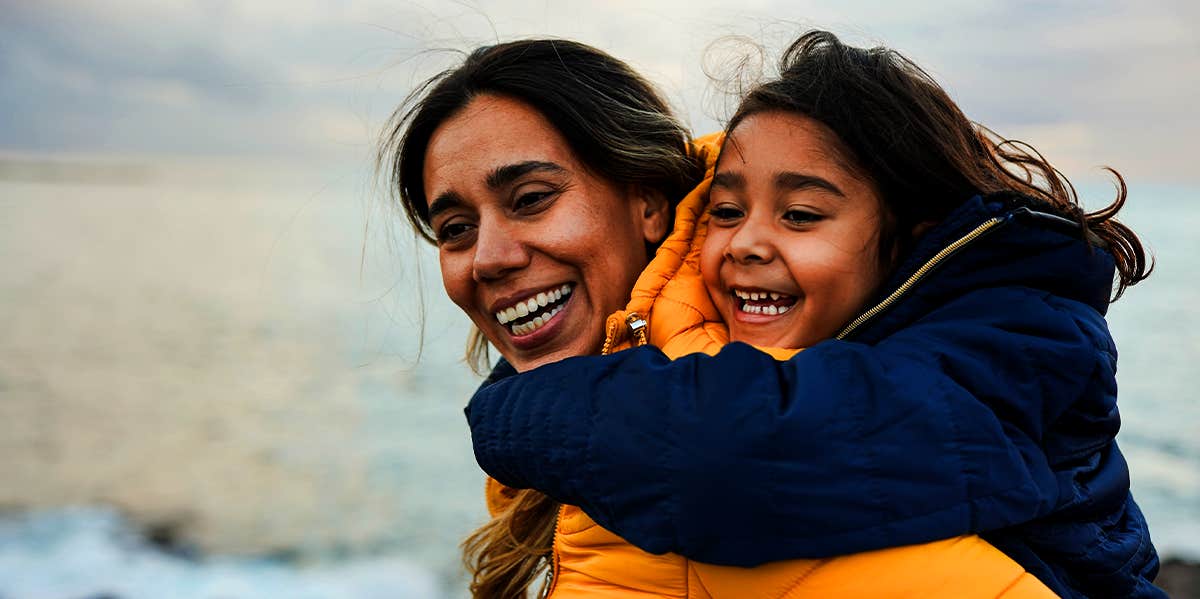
(532, 313)
(529, 335)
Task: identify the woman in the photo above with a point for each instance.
(548, 183)
(980, 399)
(545, 171)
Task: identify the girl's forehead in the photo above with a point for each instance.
(781, 142)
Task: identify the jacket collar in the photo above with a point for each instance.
(1034, 246)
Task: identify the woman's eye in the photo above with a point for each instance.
(531, 200)
(801, 217)
(452, 232)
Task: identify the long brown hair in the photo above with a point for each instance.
(919, 149)
(620, 127)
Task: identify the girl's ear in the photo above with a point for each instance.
(655, 214)
(920, 228)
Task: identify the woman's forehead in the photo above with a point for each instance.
(488, 136)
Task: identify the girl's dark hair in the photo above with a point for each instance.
(620, 128)
(925, 157)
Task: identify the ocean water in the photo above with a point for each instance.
(239, 367)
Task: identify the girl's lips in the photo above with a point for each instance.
(754, 305)
(755, 318)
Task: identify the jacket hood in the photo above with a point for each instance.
(1032, 246)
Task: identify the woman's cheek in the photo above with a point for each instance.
(457, 280)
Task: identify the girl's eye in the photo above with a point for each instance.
(724, 213)
(801, 217)
(453, 231)
(531, 201)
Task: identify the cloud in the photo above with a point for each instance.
(310, 80)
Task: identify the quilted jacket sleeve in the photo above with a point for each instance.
(739, 459)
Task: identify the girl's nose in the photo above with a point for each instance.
(499, 250)
(751, 244)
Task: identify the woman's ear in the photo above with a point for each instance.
(655, 214)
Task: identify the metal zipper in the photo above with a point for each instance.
(552, 573)
(637, 325)
(916, 277)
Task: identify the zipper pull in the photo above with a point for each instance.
(637, 324)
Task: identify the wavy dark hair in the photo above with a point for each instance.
(620, 128)
(925, 157)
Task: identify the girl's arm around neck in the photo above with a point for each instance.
(939, 430)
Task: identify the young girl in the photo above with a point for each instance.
(959, 375)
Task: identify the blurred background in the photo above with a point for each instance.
(228, 370)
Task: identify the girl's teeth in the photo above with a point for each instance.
(522, 310)
(542, 300)
(769, 310)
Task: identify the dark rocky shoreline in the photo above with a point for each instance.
(1180, 578)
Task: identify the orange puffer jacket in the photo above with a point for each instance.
(590, 561)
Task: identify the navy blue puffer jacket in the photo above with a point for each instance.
(983, 400)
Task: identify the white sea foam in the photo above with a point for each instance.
(92, 552)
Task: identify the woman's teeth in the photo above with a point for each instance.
(542, 307)
(537, 322)
(764, 302)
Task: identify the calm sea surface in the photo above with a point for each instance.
(240, 366)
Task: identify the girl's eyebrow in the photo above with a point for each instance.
(796, 181)
(789, 181)
(729, 180)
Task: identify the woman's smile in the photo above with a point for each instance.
(534, 247)
(530, 314)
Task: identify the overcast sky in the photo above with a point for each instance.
(311, 81)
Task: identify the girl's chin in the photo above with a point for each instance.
(773, 333)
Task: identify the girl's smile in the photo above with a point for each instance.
(792, 248)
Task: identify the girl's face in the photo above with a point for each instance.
(792, 250)
(536, 249)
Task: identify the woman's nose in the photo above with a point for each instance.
(750, 244)
(498, 251)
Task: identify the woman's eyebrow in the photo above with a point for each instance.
(499, 177)
(796, 181)
(508, 173)
(444, 202)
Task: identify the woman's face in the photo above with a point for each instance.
(536, 249)
(792, 251)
